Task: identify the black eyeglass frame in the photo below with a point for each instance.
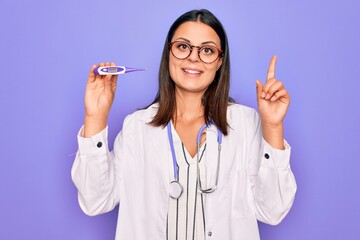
(221, 52)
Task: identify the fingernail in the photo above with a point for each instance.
(267, 96)
(263, 94)
(273, 98)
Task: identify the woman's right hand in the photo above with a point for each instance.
(99, 96)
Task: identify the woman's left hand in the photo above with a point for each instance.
(273, 99)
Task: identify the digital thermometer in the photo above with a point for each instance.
(116, 70)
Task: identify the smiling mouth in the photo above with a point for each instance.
(192, 71)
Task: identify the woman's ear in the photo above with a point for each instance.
(219, 64)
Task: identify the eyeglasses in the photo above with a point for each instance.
(206, 53)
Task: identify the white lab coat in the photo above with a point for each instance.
(255, 180)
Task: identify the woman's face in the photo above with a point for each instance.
(191, 74)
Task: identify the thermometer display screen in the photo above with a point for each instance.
(112, 69)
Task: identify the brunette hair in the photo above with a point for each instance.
(216, 98)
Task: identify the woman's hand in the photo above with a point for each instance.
(273, 103)
(99, 96)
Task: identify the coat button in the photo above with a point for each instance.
(267, 156)
(209, 234)
(99, 144)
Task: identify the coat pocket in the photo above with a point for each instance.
(233, 229)
(241, 195)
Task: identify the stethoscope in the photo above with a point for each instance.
(175, 189)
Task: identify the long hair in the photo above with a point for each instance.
(216, 98)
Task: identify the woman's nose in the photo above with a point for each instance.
(194, 55)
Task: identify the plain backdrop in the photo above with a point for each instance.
(47, 48)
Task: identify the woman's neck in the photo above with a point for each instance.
(188, 106)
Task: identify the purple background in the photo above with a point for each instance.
(47, 48)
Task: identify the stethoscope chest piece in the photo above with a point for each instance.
(175, 189)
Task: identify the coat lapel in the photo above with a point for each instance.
(158, 148)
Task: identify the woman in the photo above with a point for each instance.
(173, 181)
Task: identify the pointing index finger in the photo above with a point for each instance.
(271, 70)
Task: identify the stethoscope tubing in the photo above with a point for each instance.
(176, 174)
(198, 141)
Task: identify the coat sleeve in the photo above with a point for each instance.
(272, 181)
(96, 172)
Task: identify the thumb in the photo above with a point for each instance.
(92, 76)
(259, 88)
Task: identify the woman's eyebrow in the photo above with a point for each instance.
(188, 41)
(207, 42)
(184, 39)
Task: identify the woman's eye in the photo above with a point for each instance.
(207, 50)
(183, 46)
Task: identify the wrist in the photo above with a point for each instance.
(94, 125)
(272, 126)
(95, 118)
(274, 135)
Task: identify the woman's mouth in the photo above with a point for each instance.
(192, 71)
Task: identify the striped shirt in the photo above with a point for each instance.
(186, 218)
